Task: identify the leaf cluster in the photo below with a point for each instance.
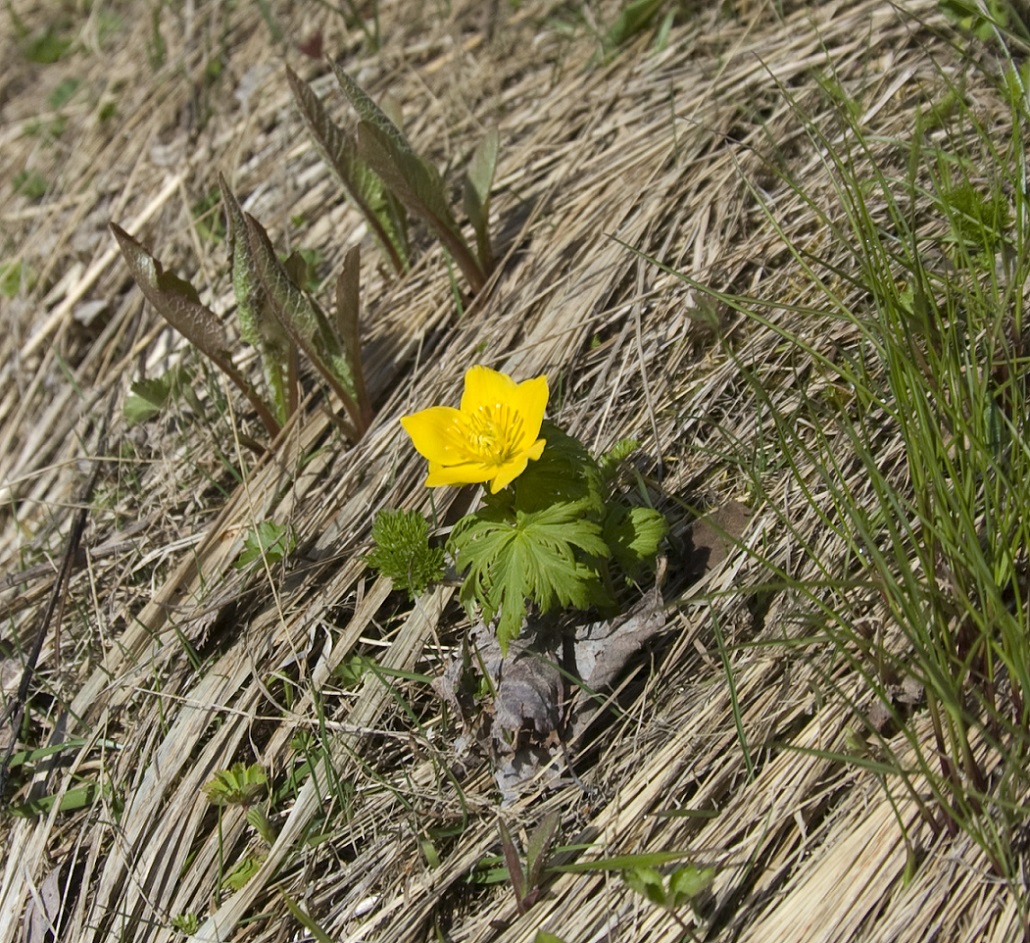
(683, 886)
(386, 179)
(402, 551)
(276, 315)
(551, 539)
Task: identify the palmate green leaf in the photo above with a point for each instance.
(549, 556)
(177, 301)
(339, 150)
(303, 322)
(633, 535)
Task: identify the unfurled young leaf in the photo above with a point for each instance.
(303, 323)
(348, 325)
(177, 301)
(258, 324)
(418, 185)
(479, 178)
(339, 150)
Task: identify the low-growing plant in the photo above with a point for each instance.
(551, 533)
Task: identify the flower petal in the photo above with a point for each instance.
(507, 473)
(436, 434)
(486, 387)
(530, 401)
(467, 473)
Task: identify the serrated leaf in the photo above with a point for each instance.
(258, 324)
(688, 882)
(419, 187)
(538, 846)
(532, 557)
(369, 112)
(146, 400)
(383, 146)
(647, 882)
(301, 321)
(339, 150)
(515, 873)
(633, 534)
(174, 298)
(348, 325)
(177, 301)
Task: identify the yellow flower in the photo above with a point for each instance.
(491, 437)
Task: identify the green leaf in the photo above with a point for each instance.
(177, 301)
(402, 551)
(348, 325)
(538, 847)
(146, 400)
(258, 324)
(339, 150)
(420, 188)
(240, 784)
(648, 882)
(245, 869)
(13, 276)
(268, 541)
(63, 93)
(688, 882)
(303, 323)
(30, 184)
(634, 17)
(479, 179)
(633, 535)
(516, 874)
(383, 146)
(370, 113)
(47, 47)
(174, 298)
(548, 556)
(352, 670)
(542, 936)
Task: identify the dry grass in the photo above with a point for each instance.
(167, 664)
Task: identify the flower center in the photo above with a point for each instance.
(493, 433)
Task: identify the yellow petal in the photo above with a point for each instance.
(486, 387)
(530, 401)
(507, 473)
(467, 473)
(436, 434)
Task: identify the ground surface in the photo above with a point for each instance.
(166, 663)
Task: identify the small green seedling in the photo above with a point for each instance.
(526, 881)
(268, 541)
